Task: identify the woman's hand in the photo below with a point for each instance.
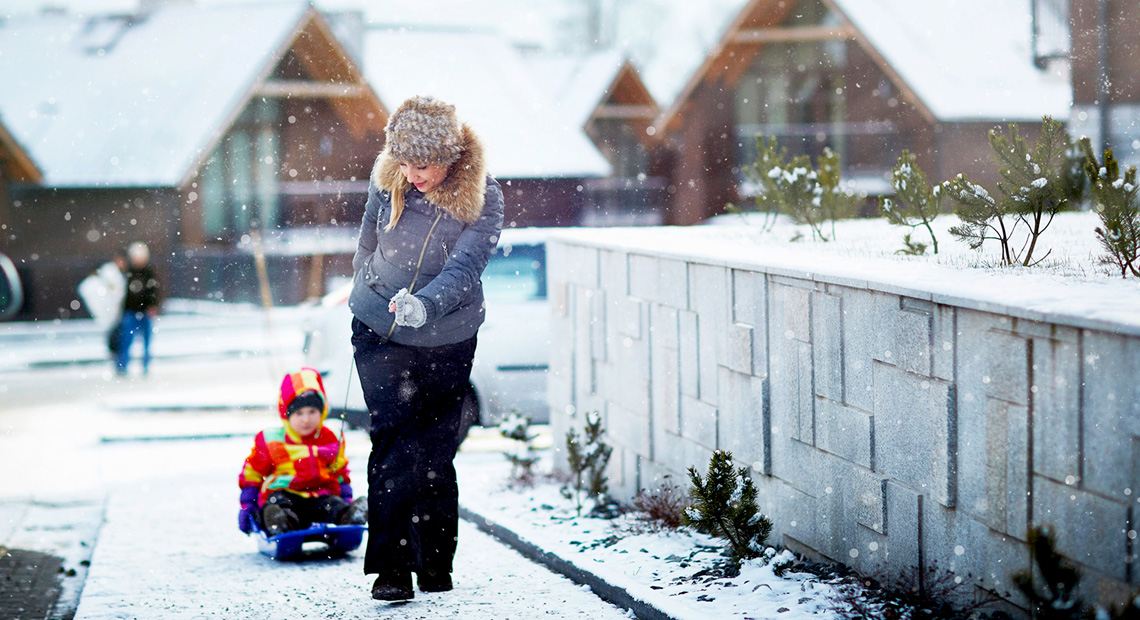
(408, 308)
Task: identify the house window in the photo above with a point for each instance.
(239, 182)
(794, 92)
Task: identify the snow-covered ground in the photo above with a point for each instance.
(212, 330)
(170, 548)
(672, 570)
(162, 454)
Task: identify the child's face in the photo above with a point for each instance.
(305, 421)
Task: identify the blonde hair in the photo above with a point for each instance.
(397, 200)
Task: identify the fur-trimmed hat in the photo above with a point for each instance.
(424, 130)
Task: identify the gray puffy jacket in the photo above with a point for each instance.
(437, 250)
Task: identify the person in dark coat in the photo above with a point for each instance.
(431, 223)
(140, 306)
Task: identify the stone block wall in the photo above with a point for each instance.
(897, 434)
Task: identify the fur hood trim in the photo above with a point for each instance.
(462, 192)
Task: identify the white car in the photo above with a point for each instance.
(511, 359)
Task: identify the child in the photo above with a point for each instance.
(297, 475)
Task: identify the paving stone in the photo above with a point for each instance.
(750, 307)
(844, 431)
(665, 383)
(860, 342)
(699, 422)
(1090, 529)
(738, 350)
(743, 427)
(708, 291)
(827, 342)
(1055, 387)
(614, 272)
(913, 431)
(1111, 409)
(689, 349)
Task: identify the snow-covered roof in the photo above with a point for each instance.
(117, 101)
(578, 83)
(668, 40)
(523, 131)
(988, 75)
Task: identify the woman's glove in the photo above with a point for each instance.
(248, 505)
(410, 311)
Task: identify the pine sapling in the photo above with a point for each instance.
(799, 194)
(724, 505)
(1115, 201)
(835, 203)
(1035, 181)
(1057, 600)
(523, 455)
(767, 198)
(587, 457)
(982, 218)
(915, 204)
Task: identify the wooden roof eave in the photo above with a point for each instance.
(863, 42)
(643, 118)
(358, 124)
(736, 35)
(311, 16)
(18, 164)
(668, 119)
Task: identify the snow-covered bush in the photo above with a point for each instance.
(724, 506)
(522, 456)
(915, 204)
(1036, 184)
(797, 189)
(663, 505)
(1115, 200)
(587, 456)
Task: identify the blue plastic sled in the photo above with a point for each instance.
(334, 541)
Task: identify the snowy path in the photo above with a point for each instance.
(170, 549)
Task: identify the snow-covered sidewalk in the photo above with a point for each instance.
(674, 572)
(170, 548)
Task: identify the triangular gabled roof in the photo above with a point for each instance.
(141, 100)
(985, 75)
(920, 46)
(15, 163)
(585, 87)
(493, 90)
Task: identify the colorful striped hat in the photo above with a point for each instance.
(299, 382)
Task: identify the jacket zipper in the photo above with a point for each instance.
(419, 264)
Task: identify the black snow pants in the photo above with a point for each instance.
(308, 510)
(415, 400)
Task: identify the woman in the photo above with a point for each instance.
(430, 225)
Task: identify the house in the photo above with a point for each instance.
(16, 166)
(1115, 29)
(604, 94)
(542, 158)
(866, 79)
(213, 133)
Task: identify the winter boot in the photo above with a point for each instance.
(393, 588)
(355, 513)
(434, 581)
(278, 519)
